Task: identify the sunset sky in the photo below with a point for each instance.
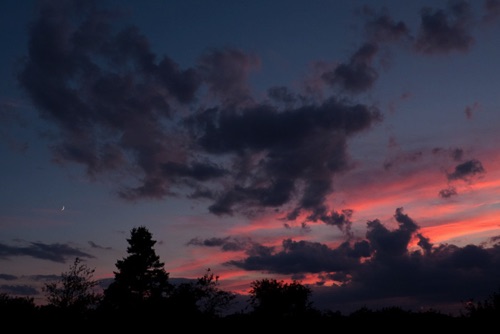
(350, 145)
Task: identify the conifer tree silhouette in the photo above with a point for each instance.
(141, 281)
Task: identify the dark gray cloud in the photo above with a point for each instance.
(466, 170)
(382, 28)
(305, 145)
(448, 192)
(282, 94)
(225, 244)
(401, 158)
(8, 277)
(444, 31)
(391, 243)
(122, 111)
(302, 257)
(226, 74)
(444, 278)
(455, 153)
(19, 290)
(358, 75)
(492, 10)
(44, 278)
(94, 245)
(197, 170)
(53, 252)
(340, 219)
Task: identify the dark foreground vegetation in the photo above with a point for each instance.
(141, 298)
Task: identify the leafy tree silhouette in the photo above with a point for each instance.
(141, 285)
(72, 298)
(213, 300)
(75, 290)
(202, 298)
(277, 299)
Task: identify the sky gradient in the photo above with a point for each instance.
(350, 145)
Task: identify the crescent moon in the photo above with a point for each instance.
(62, 209)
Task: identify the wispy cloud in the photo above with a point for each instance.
(53, 252)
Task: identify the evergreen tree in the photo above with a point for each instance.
(141, 281)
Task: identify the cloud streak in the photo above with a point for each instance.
(55, 252)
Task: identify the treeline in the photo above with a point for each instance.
(141, 297)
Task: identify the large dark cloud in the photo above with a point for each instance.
(384, 269)
(121, 110)
(391, 243)
(279, 153)
(116, 106)
(160, 130)
(103, 90)
(305, 257)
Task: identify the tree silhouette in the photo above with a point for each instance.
(141, 281)
(201, 298)
(11, 308)
(213, 300)
(486, 309)
(75, 290)
(277, 299)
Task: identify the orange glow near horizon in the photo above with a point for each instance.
(444, 232)
(471, 215)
